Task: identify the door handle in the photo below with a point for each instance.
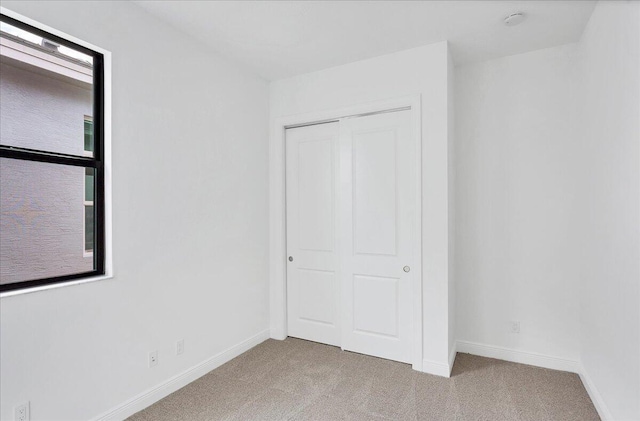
(291, 258)
(406, 269)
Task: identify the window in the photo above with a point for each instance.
(52, 183)
(89, 183)
(88, 136)
(89, 211)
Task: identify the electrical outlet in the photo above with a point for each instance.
(515, 327)
(180, 347)
(22, 412)
(153, 358)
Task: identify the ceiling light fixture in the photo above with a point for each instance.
(514, 19)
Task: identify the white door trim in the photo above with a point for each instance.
(277, 213)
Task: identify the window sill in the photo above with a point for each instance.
(53, 286)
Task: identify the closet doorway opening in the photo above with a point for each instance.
(351, 231)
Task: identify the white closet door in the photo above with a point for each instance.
(313, 293)
(377, 206)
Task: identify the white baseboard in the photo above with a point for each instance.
(438, 368)
(516, 356)
(158, 392)
(277, 333)
(162, 390)
(435, 368)
(540, 360)
(595, 396)
(452, 357)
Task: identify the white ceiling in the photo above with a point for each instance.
(284, 38)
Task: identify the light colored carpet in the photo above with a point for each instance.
(301, 380)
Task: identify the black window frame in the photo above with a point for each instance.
(96, 161)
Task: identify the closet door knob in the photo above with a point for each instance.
(291, 258)
(406, 269)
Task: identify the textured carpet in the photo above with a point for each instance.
(301, 380)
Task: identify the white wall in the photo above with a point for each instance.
(516, 243)
(548, 205)
(451, 173)
(190, 156)
(610, 153)
(417, 71)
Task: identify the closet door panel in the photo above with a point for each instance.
(377, 210)
(312, 280)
